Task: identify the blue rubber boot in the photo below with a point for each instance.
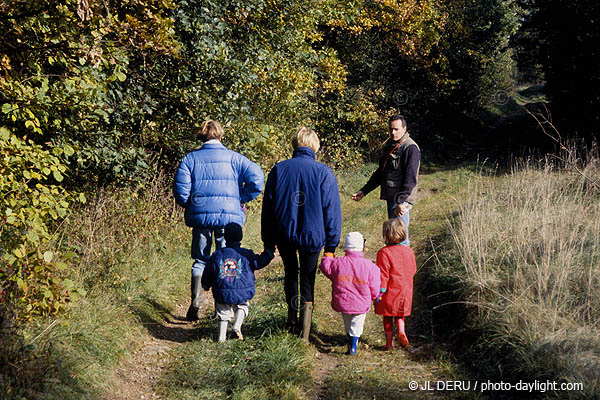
(353, 345)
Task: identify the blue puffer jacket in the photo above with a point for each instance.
(301, 205)
(230, 273)
(212, 182)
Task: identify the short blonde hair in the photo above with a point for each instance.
(394, 231)
(210, 130)
(306, 137)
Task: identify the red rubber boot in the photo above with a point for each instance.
(388, 327)
(402, 339)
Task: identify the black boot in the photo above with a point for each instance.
(292, 324)
(192, 312)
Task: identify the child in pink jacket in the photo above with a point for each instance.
(355, 282)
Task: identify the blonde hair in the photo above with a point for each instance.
(306, 137)
(210, 130)
(394, 231)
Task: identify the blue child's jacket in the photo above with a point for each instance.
(230, 273)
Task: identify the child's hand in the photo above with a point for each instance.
(328, 254)
(381, 293)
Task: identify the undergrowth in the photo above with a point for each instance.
(122, 239)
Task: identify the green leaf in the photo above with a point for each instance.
(68, 284)
(9, 258)
(6, 108)
(8, 211)
(18, 253)
(58, 176)
(120, 76)
(48, 255)
(4, 133)
(29, 124)
(69, 150)
(82, 198)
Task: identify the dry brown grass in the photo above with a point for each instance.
(529, 248)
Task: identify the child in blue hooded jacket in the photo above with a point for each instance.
(230, 274)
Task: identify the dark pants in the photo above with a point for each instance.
(298, 262)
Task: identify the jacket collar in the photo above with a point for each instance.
(352, 253)
(306, 152)
(233, 244)
(212, 143)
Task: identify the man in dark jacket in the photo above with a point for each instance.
(212, 184)
(397, 173)
(301, 213)
(230, 274)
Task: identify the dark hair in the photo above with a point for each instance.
(397, 117)
(233, 232)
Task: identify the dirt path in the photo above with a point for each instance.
(136, 378)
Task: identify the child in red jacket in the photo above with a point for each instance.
(398, 267)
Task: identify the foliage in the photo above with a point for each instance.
(132, 276)
(32, 278)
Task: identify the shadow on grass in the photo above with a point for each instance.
(162, 324)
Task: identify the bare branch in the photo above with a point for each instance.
(544, 120)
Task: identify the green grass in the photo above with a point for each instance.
(268, 363)
(132, 265)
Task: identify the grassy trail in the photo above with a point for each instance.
(182, 361)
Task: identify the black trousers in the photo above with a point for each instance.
(303, 264)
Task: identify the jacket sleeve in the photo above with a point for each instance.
(384, 269)
(326, 266)
(209, 274)
(411, 166)
(332, 211)
(260, 261)
(252, 180)
(375, 281)
(182, 185)
(373, 182)
(267, 227)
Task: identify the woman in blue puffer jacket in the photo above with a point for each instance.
(301, 214)
(212, 183)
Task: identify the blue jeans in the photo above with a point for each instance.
(201, 245)
(391, 207)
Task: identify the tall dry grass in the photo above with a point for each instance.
(529, 251)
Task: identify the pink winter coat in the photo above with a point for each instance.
(355, 282)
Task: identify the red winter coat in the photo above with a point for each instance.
(398, 267)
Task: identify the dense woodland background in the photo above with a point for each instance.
(103, 94)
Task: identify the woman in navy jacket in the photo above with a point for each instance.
(301, 214)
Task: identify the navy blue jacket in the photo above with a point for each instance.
(230, 273)
(301, 205)
(212, 182)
